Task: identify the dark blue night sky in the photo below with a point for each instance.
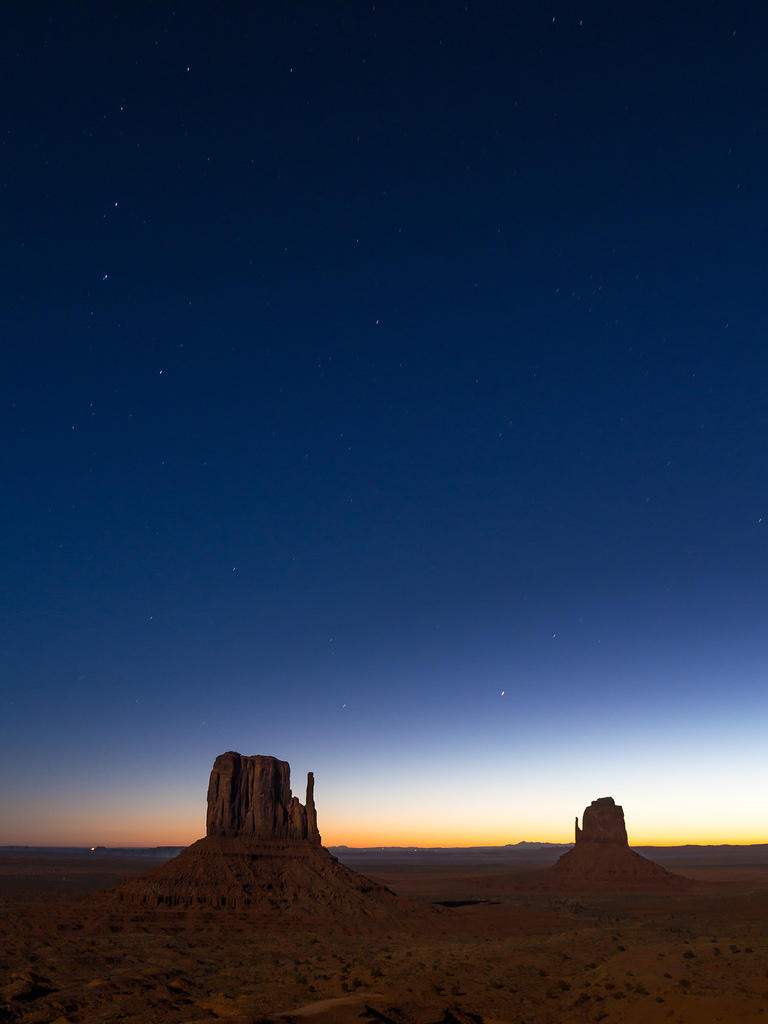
(385, 388)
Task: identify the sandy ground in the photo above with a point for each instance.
(498, 953)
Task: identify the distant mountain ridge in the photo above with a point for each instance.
(536, 846)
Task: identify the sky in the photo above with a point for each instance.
(385, 388)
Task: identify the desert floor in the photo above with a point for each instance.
(503, 950)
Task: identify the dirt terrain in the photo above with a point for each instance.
(486, 945)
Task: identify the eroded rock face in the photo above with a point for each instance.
(251, 796)
(602, 822)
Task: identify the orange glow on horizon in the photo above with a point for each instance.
(127, 837)
(443, 839)
(149, 826)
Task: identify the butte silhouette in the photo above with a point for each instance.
(601, 857)
(262, 852)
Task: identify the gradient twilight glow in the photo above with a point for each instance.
(385, 388)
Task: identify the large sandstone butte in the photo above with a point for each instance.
(251, 796)
(262, 852)
(601, 857)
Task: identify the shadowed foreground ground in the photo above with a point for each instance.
(499, 953)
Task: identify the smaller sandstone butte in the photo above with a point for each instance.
(262, 854)
(601, 857)
(251, 796)
(602, 822)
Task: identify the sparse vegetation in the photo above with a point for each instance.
(531, 975)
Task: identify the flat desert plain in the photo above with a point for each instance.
(486, 942)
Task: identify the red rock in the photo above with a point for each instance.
(251, 796)
(602, 822)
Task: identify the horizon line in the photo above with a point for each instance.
(370, 846)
